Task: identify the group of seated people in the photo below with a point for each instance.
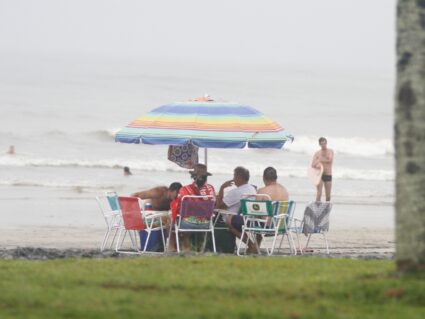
(166, 198)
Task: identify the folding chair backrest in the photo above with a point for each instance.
(196, 211)
(284, 207)
(291, 210)
(257, 208)
(316, 217)
(112, 198)
(131, 213)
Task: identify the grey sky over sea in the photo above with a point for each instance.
(326, 33)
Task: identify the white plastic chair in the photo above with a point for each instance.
(109, 207)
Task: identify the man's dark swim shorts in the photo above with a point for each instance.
(327, 178)
(237, 222)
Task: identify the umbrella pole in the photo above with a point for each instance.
(206, 157)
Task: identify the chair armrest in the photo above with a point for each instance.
(155, 213)
(280, 216)
(112, 213)
(296, 224)
(225, 212)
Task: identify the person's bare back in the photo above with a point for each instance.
(275, 191)
(160, 196)
(271, 187)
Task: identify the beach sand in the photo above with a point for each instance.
(365, 243)
(59, 219)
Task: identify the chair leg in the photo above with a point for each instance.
(308, 240)
(170, 233)
(280, 244)
(254, 240)
(118, 246)
(273, 244)
(133, 240)
(113, 238)
(291, 243)
(288, 239)
(213, 241)
(177, 239)
(105, 239)
(123, 238)
(240, 242)
(327, 244)
(299, 244)
(147, 239)
(162, 234)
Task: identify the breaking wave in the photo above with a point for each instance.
(356, 146)
(153, 165)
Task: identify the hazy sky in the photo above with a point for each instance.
(341, 33)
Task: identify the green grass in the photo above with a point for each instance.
(208, 287)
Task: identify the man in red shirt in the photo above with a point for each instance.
(199, 187)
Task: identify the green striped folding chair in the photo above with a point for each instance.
(284, 224)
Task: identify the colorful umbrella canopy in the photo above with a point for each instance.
(205, 123)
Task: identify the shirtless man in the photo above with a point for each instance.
(160, 196)
(272, 188)
(275, 190)
(325, 157)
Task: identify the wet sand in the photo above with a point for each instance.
(46, 242)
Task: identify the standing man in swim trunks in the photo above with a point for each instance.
(325, 157)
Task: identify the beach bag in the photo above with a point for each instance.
(185, 156)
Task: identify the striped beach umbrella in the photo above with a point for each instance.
(205, 123)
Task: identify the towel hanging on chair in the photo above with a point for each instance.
(316, 217)
(185, 156)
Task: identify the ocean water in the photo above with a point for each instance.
(61, 114)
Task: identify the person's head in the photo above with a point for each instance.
(200, 174)
(11, 150)
(240, 176)
(173, 190)
(323, 142)
(269, 175)
(127, 171)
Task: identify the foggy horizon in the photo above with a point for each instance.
(332, 33)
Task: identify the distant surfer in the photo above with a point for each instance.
(322, 160)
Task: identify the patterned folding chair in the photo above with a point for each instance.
(135, 220)
(316, 221)
(195, 216)
(109, 206)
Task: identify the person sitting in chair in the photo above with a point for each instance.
(276, 191)
(161, 196)
(232, 200)
(272, 188)
(199, 187)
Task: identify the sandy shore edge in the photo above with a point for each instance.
(52, 242)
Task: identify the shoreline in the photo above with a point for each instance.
(53, 242)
